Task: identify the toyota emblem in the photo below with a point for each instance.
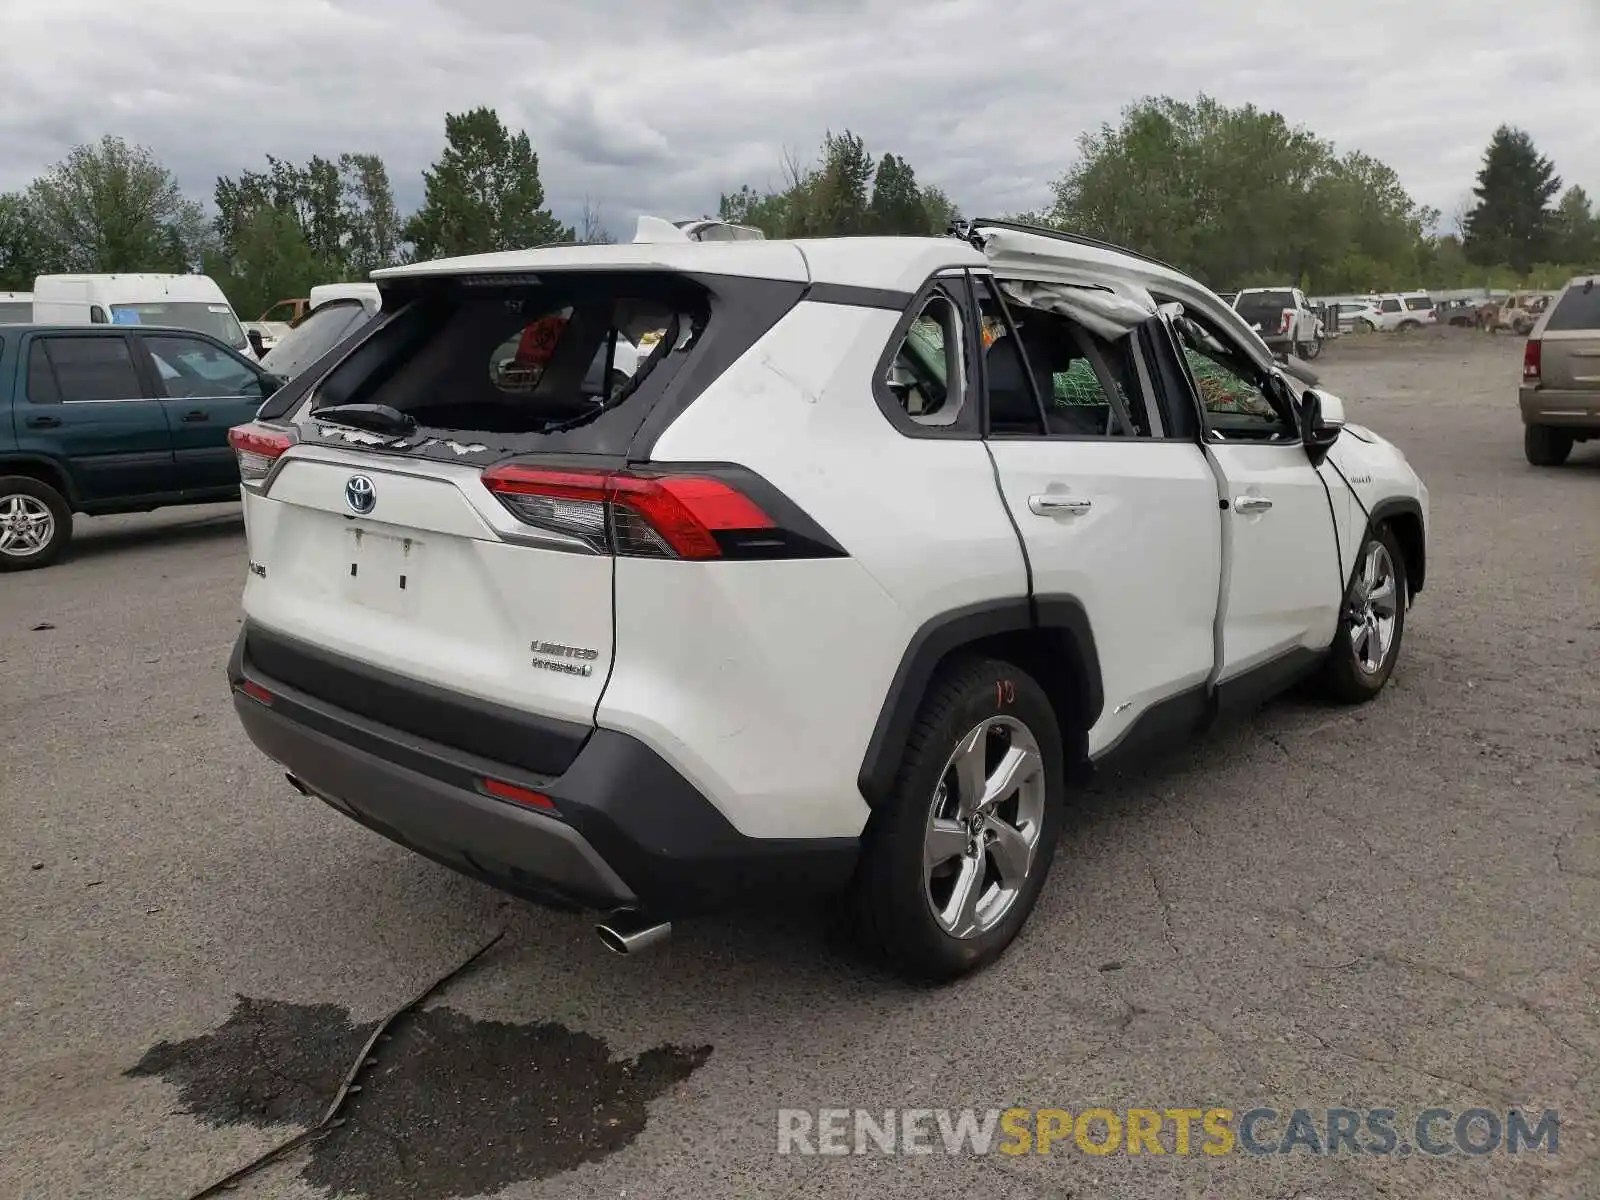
(360, 495)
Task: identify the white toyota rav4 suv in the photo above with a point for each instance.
(883, 544)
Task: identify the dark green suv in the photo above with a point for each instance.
(108, 419)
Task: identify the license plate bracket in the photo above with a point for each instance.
(382, 571)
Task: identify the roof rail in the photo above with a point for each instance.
(1063, 235)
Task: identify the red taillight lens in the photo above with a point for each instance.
(256, 692)
(667, 516)
(1285, 321)
(527, 797)
(1532, 359)
(257, 447)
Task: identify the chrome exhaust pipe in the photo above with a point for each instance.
(628, 932)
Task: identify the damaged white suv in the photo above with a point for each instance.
(882, 544)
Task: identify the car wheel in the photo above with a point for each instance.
(1372, 623)
(955, 856)
(1311, 349)
(1367, 326)
(35, 523)
(1546, 446)
(1408, 326)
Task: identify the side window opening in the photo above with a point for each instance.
(1238, 399)
(926, 376)
(1089, 384)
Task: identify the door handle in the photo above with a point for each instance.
(43, 422)
(1252, 504)
(1052, 504)
(196, 414)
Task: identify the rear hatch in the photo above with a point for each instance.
(1571, 341)
(432, 524)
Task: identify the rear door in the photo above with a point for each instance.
(1570, 355)
(1120, 516)
(84, 399)
(205, 390)
(1283, 579)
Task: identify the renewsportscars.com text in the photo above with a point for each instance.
(1214, 1131)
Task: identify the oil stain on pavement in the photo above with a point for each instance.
(453, 1107)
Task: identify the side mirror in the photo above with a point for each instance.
(1321, 422)
(270, 383)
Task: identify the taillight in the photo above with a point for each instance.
(1532, 360)
(1284, 321)
(257, 447)
(641, 515)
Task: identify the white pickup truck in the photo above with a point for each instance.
(1284, 318)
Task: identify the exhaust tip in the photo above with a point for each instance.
(629, 932)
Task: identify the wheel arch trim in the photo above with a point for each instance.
(1385, 511)
(948, 633)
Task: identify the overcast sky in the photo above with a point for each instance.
(659, 105)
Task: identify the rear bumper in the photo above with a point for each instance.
(1550, 406)
(631, 831)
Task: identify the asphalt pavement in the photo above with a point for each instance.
(1384, 907)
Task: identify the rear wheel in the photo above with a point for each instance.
(1546, 446)
(1309, 350)
(1408, 326)
(35, 523)
(955, 856)
(1367, 644)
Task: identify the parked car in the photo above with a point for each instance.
(1359, 315)
(101, 419)
(1404, 311)
(286, 312)
(1459, 312)
(1560, 395)
(183, 301)
(1518, 314)
(1284, 318)
(16, 308)
(364, 291)
(592, 653)
(318, 332)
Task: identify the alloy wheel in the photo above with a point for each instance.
(27, 525)
(984, 823)
(1374, 608)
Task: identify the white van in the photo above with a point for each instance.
(182, 301)
(16, 308)
(367, 293)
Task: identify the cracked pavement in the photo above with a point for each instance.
(1387, 906)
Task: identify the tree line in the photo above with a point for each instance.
(1236, 196)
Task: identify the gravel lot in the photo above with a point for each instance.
(1392, 907)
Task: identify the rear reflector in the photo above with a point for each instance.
(501, 790)
(665, 516)
(1533, 360)
(256, 692)
(257, 447)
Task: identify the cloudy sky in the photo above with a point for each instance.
(659, 105)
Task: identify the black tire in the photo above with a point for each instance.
(892, 905)
(1311, 349)
(26, 488)
(1546, 446)
(1408, 326)
(1344, 680)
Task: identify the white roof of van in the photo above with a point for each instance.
(897, 263)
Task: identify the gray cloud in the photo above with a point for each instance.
(660, 107)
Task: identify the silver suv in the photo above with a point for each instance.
(1560, 393)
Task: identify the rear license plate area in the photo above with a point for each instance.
(382, 571)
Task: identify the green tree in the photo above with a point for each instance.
(939, 209)
(267, 259)
(835, 194)
(1511, 222)
(23, 254)
(111, 206)
(371, 219)
(484, 192)
(1239, 197)
(766, 211)
(896, 206)
(1575, 230)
